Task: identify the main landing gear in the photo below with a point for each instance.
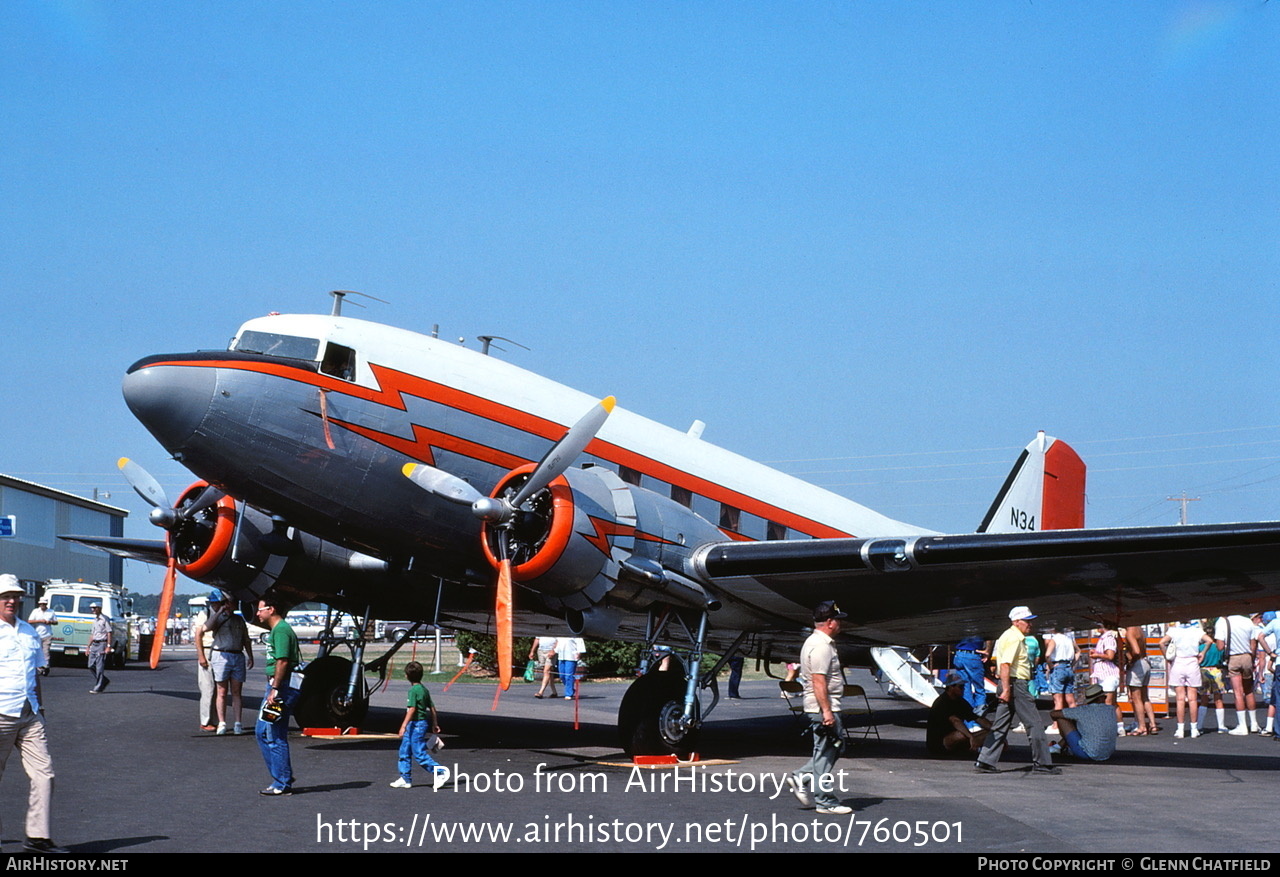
(661, 713)
(335, 693)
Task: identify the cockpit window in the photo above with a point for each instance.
(271, 344)
(339, 361)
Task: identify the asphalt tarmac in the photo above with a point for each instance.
(135, 775)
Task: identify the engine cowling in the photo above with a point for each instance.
(592, 545)
(244, 551)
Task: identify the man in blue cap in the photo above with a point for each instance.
(948, 733)
(1014, 670)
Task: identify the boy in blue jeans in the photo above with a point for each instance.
(413, 732)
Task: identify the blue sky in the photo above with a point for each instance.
(879, 243)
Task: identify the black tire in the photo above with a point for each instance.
(324, 687)
(647, 717)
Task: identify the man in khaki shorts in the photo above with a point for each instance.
(1234, 635)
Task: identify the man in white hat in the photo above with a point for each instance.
(1014, 670)
(43, 619)
(99, 649)
(22, 716)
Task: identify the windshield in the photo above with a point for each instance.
(271, 344)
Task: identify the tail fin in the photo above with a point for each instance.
(1044, 491)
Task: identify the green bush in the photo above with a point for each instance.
(486, 647)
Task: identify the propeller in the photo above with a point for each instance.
(501, 512)
(165, 515)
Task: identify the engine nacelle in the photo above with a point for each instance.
(243, 551)
(592, 542)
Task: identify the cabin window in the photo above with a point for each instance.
(751, 526)
(707, 509)
(730, 518)
(629, 475)
(271, 344)
(682, 495)
(339, 361)
(775, 531)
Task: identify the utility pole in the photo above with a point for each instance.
(1184, 499)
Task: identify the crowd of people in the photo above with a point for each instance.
(1204, 662)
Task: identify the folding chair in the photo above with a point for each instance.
(793, 694)
(849, 708)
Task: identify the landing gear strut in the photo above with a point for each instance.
(661, 713)
(335, 693)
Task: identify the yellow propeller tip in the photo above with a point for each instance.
(608, 402)
(122, 462)
(408, 468)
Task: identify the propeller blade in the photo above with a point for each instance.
(502, 610)
(207, 497)
(142, 481)
(162, 615)
(565, 451)
(441, 483)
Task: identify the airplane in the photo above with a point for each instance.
(393, 474)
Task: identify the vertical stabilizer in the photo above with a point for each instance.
(1044, 491)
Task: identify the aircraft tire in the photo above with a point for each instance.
(323, 687)
(647, 716)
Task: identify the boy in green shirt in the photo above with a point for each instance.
(413, 732)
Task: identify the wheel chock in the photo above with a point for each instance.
(664, 760)
(330, 732)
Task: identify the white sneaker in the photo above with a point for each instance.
(401, 783)
(238, 729)
(1239, 731)
(441, 777)
(1178, 735)
(222, 729)
(1195, 732)
(1052, 730)
(803, 794)
(836, 810)
(1021, 729)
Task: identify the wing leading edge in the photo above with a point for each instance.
(935, 589)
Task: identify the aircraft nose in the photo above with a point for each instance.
(171, 401)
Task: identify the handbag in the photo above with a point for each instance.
(530, 670)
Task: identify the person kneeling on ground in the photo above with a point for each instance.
(1089, 730)
(948, 733)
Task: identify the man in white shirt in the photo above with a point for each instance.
(1234, 634)
(43, 619)
(823, 679)
(21, 716)
(568, 650)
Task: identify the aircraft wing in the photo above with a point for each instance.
(147, 550)
(936, 589)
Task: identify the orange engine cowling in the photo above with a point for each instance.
(591, 543)
(223, 545)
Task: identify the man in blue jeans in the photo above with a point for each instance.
(283, 657)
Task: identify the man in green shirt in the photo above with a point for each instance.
(283, 657)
